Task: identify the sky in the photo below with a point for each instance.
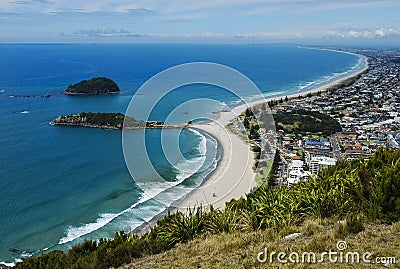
(365, 22)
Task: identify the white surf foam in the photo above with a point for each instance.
(8, 264)
(73, 233)
(186, 169)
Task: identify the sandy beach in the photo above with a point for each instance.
(234, 175)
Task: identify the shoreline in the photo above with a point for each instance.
(222, 179)
(325, 85)
(242, 167)
(232, 178)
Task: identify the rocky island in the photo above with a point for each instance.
(113, 121)
(94, 86)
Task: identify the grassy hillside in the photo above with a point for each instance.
(360, 192)
(239, 250)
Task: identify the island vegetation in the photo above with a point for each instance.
(31, 96)
(94, 86)
(352, 201)
(116, 121)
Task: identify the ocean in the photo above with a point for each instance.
(60, 185)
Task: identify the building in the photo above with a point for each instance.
(320, 163)
(297, 172)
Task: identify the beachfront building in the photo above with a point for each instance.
(320, 163)
(297, 173)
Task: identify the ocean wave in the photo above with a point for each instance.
(73, 233)
(303, 86)
(23, 255)
(8, 264)
(271, 94)
(331, 77)
(186, 169)
(205, 166)
(234, 103)
(213, 165)
(203, 143)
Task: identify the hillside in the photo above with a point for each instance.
(94, 86)
(364, 196)
(241, 249)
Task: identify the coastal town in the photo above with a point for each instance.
(367, 109)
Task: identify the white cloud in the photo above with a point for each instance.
(379, 33)
(386, 32)
(349, 34)
(270, 35)
(116, 32)
(175, 6)
(200, 19)
(108, 32)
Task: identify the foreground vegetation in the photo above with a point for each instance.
(239, 250)
(362, 192)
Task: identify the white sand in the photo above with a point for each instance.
(234, 176)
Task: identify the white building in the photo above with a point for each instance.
(297, 172)
(320, 163)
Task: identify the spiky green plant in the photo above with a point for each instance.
(322, 197)
(182, 227)
(219, 221)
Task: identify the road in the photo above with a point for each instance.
(335, 148)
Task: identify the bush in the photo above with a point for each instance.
(349, 190)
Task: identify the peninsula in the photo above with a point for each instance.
(94, 86)
(114, 121)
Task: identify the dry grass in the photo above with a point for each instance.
(239, 250)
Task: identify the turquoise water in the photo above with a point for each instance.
(62, 185)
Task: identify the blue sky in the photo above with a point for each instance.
(207, 21)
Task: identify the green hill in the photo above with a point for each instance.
(94, 86)
(304, 121)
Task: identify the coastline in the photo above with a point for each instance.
(326, 87)
(234, 176)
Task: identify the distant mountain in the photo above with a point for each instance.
(94, 86)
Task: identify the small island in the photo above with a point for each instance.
(114, 121)
(94, 86)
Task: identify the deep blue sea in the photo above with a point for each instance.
(60, 185)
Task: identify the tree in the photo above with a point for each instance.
(275, 165)
(246, 123)
(249, 113)
(100, 85)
